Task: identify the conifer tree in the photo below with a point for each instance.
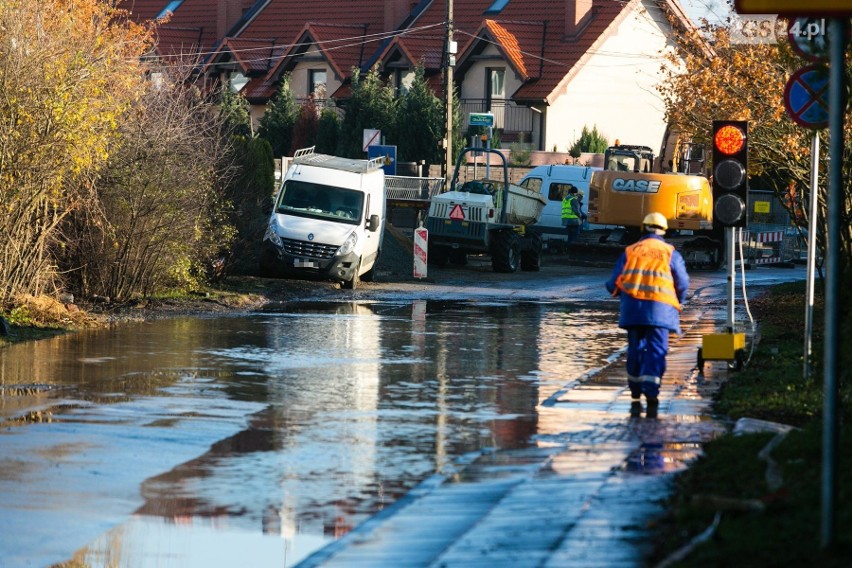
(277, 124)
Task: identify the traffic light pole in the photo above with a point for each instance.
(812, 229)
(732, 274)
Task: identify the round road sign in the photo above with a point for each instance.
(809, 38)
(806, 97)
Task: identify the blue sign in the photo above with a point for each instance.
(388, 153)
(806, 97)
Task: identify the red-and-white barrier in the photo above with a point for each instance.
(421, 244)
(763, 237)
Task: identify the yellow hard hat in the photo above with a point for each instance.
(655, 220)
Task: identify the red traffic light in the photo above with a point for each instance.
(729, 139)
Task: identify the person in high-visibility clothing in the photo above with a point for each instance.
(571, 214)
(651, 279)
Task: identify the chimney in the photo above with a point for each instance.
(577, 15)
(228, 13)
(396, 11)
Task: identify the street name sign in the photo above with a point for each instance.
(481, 119)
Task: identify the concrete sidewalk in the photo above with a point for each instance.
(582, 495)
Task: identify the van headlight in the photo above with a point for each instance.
(271, 234)
(348, 245)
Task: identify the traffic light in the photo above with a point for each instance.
(730, 172)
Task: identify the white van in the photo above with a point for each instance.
(553, 182)
(328, 219)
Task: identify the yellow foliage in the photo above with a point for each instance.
(719, 80)
(69, 69)
(44, 311)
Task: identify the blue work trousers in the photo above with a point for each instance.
(647, 347)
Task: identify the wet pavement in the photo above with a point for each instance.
(577, 489)
(583, 495)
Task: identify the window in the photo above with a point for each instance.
(495, 89)
(404, 80)
(318, 201)
(317, 82)
(238, 81)
(558, 191)
(496, 78)
(533, 184)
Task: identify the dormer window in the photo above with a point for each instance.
(497, 7)
(169, 9)
(238, 81)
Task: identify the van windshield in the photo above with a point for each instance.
(306, 199)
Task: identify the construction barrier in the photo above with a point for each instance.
(421, 246)
(767, 247)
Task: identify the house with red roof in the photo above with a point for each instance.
(545, 69)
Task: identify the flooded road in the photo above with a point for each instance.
(258, 439)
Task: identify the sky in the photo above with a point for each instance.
(712, 10)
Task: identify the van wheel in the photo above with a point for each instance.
(353, 282)
(370, 275)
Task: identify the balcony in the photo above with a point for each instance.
(516, 123)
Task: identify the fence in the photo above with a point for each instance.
(771, 237)
(412, 189)
(771, 245)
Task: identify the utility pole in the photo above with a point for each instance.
(449, 61)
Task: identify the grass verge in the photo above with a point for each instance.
(782, 527)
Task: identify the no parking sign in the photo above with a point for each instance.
(806, 96)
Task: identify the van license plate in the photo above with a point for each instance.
(302, 263)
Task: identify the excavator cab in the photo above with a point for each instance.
(623, 158)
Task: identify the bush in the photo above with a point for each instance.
(249, 197)
(158, 202)
(590, 141)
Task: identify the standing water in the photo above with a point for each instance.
(256, 440)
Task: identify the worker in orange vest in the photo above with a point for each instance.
(650, 278)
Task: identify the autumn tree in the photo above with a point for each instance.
(69, 72)
(712, 78)
(159, 219)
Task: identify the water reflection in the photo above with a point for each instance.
(354, 404)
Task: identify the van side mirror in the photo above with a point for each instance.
(373, 223)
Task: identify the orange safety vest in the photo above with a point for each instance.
(647, 272)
